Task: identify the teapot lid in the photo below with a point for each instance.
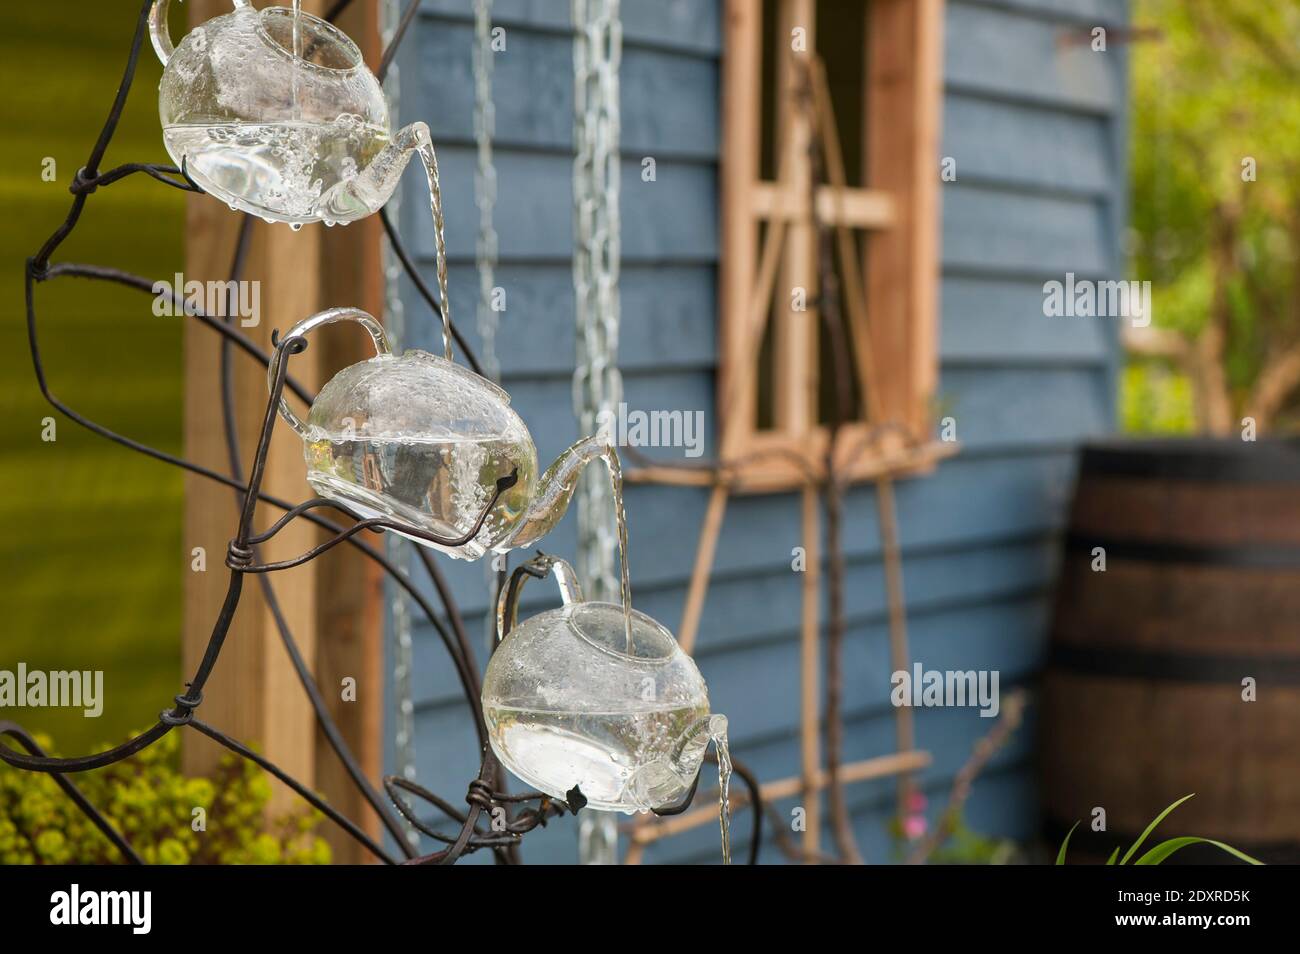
(417, 397)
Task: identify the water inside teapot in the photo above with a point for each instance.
(280, 167)
(599, 751)
(602, 751)
(439, 486)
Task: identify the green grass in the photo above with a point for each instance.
(91, 558)
(1161, 852)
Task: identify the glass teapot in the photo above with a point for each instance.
(567, 704)
(426, 442)
(275, 113)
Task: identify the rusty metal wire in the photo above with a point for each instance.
(482, 795)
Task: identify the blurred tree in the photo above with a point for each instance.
(1216, 204)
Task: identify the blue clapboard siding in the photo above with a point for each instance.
(1036, 128)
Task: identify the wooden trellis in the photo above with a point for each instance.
(794, 208)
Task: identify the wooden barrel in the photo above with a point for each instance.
(1153, 658)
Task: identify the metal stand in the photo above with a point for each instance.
(510, 822)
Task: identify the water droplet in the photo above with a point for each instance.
(296, 226)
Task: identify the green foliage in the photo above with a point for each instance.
(152, 804)
(965, 846)
(1215, 176)
(1155, 399)
(962, 845)
(1162, 851)
(1060, 855)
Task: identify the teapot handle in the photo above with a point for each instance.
(162, 41)
(315, 321)
(537, 567)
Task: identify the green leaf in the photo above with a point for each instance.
(1060, 855)
(1150, 828)
(1166, 848)
(1113, 855)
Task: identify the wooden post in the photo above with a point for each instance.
(742, 76)
(253, 693)
(809, 674)
(796, 332)
(332, 606)
(350, 593)
(903, 92)
(704, 553)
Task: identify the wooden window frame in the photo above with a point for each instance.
(900, 211)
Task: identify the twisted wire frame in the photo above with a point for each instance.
(508, 817)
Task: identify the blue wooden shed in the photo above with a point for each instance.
(1034, 118)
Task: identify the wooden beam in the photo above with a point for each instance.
(796, 331)
(810, 755)
(350, 604)
(704, 553)
(787, 468)
(846, 206)
(253, 693)
(903, 91)
(332, 606)
(740, 148)
(880, 767)
(900, 658)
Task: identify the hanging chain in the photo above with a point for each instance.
(485, 248)
(485, 188)
(597, 384)
(397, 546)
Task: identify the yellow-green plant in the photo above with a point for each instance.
(1158, 854)
(167, 817)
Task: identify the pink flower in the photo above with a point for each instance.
(914, 825)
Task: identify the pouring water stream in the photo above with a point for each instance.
(297, 57)
(723, 752)
(424, 148)
(610, 457)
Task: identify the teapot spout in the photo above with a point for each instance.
(691, 746)
(556, 487)
(666, 786)
(364, 193)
